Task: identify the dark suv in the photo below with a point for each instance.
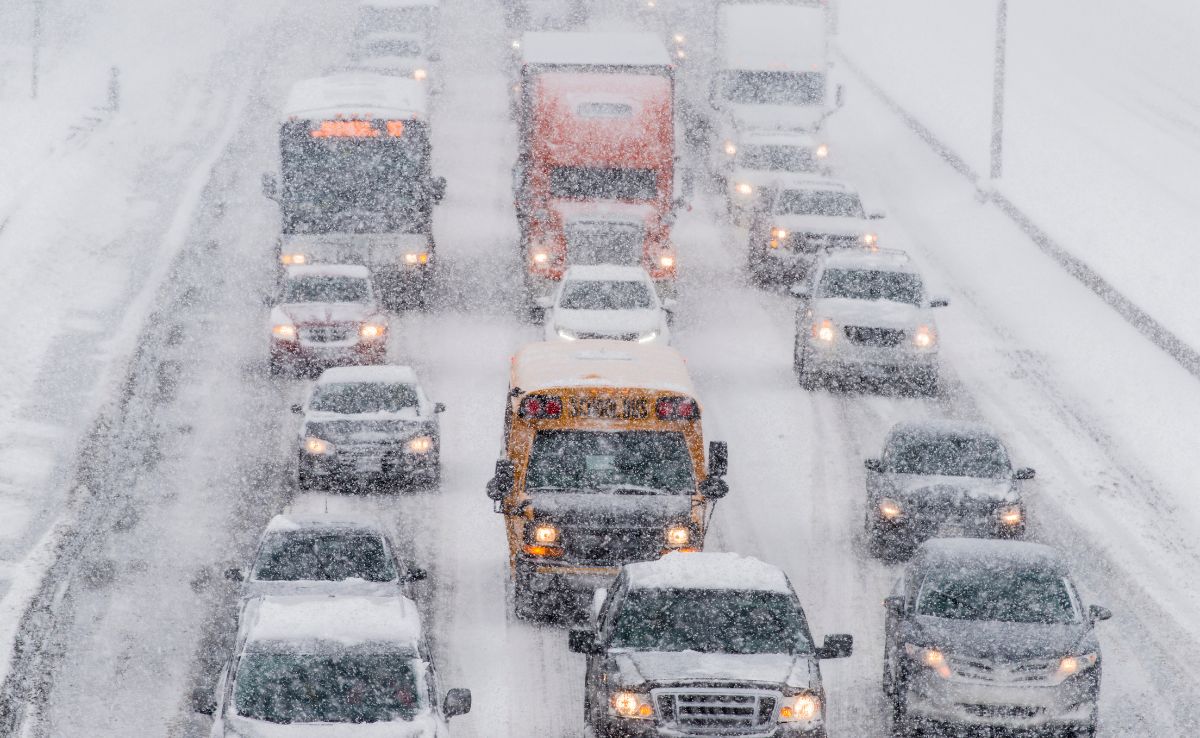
(991, 634)
(703, 644)
(941, 478)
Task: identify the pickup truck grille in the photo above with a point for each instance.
(327, 333)
(717, 712)
(612, 546)
(612, 336)
(868, 336)
(811, 243)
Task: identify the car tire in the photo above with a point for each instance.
(525, 603)
(275, 367)
(928, 382)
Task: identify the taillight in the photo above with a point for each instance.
(541, 406)
(677, 408)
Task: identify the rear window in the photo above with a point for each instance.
(596, 183)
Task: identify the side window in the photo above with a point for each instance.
(610, 608)
(431, 686)
(889, 453)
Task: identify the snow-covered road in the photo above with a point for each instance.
(201, 459)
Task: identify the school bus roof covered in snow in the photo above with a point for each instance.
(595, 364)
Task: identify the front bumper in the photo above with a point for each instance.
(874, 362)
(547, 576)
(1072, 703)
(299, 354)
(390, 464)
(628, 728)
(911, 528)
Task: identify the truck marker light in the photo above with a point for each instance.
(345, 129)
(395, 128)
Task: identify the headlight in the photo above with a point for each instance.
(823, 331)
(680, 54)
(545, 533)
(666, 261)
(420, 74)
(371, 331)
(416, 257)
(293, 259)
(744, 188)
(730, 148)
(317, 446)
(779, 233)
(924, 337)
(929, 657)
(679, 535)
(631, 705)
(679, 38)
(284, 332)
(1011, 515)
(516, 44)
(803, 707)
(889, 508)
(421, 445)
(539, 257)
(822, 151)
(568, 335)
(870, 239)
(648, 337)
(1072, 665)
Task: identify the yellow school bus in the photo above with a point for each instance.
(604, 464)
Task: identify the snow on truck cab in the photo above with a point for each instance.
(595, 172)
(703, 644)
(604, 464)
(355, 157)
(773, 66)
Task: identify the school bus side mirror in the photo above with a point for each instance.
(503, 480)
(718, 458)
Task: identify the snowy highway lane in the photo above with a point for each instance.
(1076, 392)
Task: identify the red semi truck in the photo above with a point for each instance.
(595, 173)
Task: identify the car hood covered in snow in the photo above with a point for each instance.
(685, 667)
(422, 726)
(874, 313)
(619, 511)
(929, 488)
(781, 117)
(326, 312)
(839, 225)
(1002, 641)
(608, 322)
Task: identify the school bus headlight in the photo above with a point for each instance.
(293, 259)
(545, 534)
(631, 705)
(371, 331)
(822, 151)
(678, 536)
(420, 74)
(317, 446)
(744, 188)
(889, 508)
(730, 148)
(420, 445)
(924, 337)
(414, 258)
(284, 332)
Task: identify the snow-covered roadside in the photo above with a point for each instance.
(94, 236)
(1102, 133)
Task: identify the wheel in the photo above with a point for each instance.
(1085, 731)
(431, 477)
(526, 603)
(927, 382)
(305, 481)
(876, 546)
(275, 367)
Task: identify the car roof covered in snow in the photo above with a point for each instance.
(398, 3)
(605, 273)
(774, 36)
(879, 260)
(356, 96)
(577, 364)
(771, 136)
(593, 49)
(707, 570)
(306, 621)
(802, 181)
(943, 427)
(962, 554)
(321, 521)
(328, 270)
(389, 373)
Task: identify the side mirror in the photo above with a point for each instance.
(681, 203)
(457, 702)
(837, 646)
(437, 189)
(415, 574)
(718, 458)
(714, 488)
(1098, 613)
(583, 641)
(839, 96)
(235, 574)
(669, 304)
(503, 480)
(799, 290)
(598, 598)
(938, 302)
(545, 302)
(298, 409)
(875, 465)
(894, 605)
(439, 407)
(270, 187)
(1025, 473)
(433, 56)
(876, 215)
(204, 701)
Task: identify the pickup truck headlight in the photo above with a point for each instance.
(804, 707)
(889, 509)
(415, 258)
(318, 446)
(930, 658)
(678, 536)
(290, 259)
(1071, 665)
(823, 331)
(1010, 515)
(631, 705)
(744, 188)
(420, 445)
(284, 332)
(925, 337)
(372, 331)
(822, 151)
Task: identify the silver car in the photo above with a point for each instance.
(864, 315)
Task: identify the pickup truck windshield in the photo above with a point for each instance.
(601, 461)
(869, 284)
(710, 621)
(950, 456)
(325, 289)
(827, 203)
(322, 556)
(321, 688)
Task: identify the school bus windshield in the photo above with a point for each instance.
(626, 462)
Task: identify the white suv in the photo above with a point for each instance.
(865, 313)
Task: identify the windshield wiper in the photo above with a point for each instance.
(633, 489)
